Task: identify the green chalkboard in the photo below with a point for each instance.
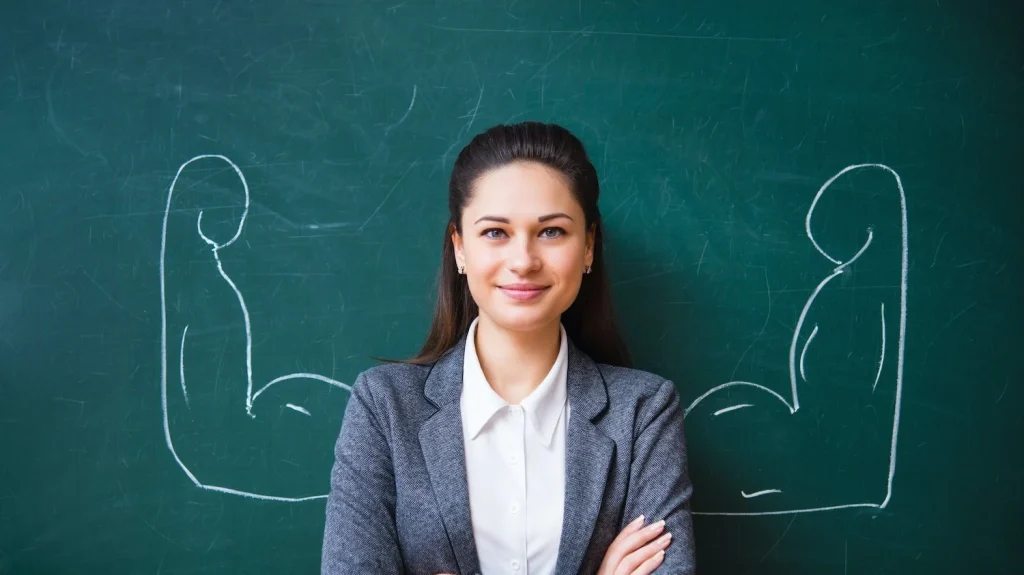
(214, 214)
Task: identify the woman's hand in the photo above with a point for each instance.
(633, 552)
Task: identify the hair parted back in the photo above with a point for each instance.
(590, 320)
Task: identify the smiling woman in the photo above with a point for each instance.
(517, 439)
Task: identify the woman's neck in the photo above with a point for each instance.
(515, 363)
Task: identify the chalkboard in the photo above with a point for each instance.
(213, 215)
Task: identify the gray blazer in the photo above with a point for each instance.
(399, 499)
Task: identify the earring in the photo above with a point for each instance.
(586, 270)
(462, 270)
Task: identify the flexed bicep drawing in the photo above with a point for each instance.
(207, 383)
(826, 438)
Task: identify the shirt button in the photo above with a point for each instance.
(514, 508)
(515, 565)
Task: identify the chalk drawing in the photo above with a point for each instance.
(758, 493)
(810, 338)
(793, 403)
(732, 408)
(250, 397)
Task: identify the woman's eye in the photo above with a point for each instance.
(552, 232)
(493, 233)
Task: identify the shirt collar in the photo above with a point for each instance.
(543, 407)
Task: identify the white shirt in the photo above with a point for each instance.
(515, 466)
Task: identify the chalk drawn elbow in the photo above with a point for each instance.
(759, 493)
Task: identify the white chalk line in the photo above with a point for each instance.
(798, 331)
(881, 360)
(163, 338)
(901, 345)
(298, 408)
(733, 408)
(759, 493)
(810, 338)
(181, 366)
(241, 302)
(405, 115)
(788, 511)
(735, 383)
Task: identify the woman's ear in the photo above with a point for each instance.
(460, 256)
(588, 256)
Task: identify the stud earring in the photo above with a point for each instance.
(462, 270)
(586, 270)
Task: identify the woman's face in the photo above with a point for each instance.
(524, 246)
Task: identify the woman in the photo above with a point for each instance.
(517, 441)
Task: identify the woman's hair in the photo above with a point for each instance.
(589, 322)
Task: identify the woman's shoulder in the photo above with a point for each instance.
(628, 385)
(393, 377)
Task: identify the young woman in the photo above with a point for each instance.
(517, 441)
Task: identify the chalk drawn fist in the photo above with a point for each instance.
(229, 428)
(825, 438)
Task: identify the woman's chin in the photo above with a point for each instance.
(525, 318)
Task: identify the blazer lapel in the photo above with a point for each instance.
(588, 457)
(441, 441)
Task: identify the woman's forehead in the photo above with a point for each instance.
(522, 188)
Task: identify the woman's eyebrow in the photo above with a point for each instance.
(541, 219)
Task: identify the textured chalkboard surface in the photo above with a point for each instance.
(213, 214)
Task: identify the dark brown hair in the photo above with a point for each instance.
(589, 322)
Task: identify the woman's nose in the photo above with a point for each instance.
(522, 257)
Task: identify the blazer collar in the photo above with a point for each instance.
(585, 385)
(588, 457)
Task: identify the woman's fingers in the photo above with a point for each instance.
(648, 566)
(636, 562)
(635, 545)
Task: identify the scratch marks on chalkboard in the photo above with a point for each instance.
(386, 196)
(406, 114)
(51, 116)
(476, 110)
(552, 60)
(887, 40)
(589, 32)
(757, 338)
(298, 408)
(1001, 394)
(17, 74)
(701, 261)
(935, 258)
(472, 114)
(781, 537)
(250, 397)
(955, 317)
(792, 403)
(103, 291)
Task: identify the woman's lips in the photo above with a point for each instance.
(523, 292)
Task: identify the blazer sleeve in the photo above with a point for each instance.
(360, 534)
(659, 485)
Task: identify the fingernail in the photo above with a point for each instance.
(664, 539)
(661, 554)
(657, 525)
(637, 522)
